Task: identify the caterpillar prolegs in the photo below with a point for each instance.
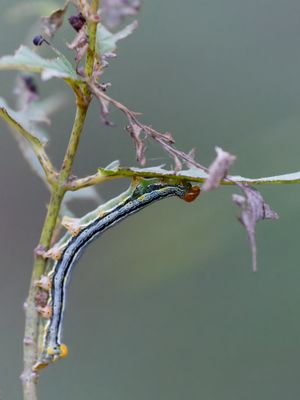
(72, 246)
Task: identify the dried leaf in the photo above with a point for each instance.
(218, 170)
(79, 44)
(169, 137)
(135, 132)
(105, 112)
(191, 156)
(178, 164)
(254, 209)
(55, 20)
(114, 12)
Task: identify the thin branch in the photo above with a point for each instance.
(165, 140)
(104, 175)
(91, 180)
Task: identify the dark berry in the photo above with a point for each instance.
(38, 40)
(77, 21)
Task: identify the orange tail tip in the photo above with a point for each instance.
(192, 194)
(64, 351)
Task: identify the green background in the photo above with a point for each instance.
(165, 306)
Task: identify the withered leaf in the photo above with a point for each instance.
(115, 11)
(79, 44)
(105, 112)
(218, 170)
(135, 132)
(55, 20)
(253, 209)
(178, 163)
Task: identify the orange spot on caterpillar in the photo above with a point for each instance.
(51, 351)
(192, 194)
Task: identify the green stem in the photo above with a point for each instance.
(106, 174)
(29, 378)
(90, 55)
(67, 164)
(58, 189)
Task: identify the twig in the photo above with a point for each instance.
(165, 140)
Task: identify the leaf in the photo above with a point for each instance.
(196, 175)
(115, 11)
(55, 20)
(218, 169)
(23, 120)
(32, 138)
(193, 174)
(26, 59)
(88, 193)
(80, 44)
(254, 209)
(104, 112)
(106, 41)
(113, 166)
(293, 177)
(135, 132)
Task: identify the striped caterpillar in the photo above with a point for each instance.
(70, 248)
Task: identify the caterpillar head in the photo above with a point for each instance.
(191, 193)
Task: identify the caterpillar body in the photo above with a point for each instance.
(133, 200)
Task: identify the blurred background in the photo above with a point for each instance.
(165, 305)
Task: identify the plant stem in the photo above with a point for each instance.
(92, 28)
(58, 189)
(107, 174)
(29, 377)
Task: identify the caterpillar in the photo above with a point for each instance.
(133, 200)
